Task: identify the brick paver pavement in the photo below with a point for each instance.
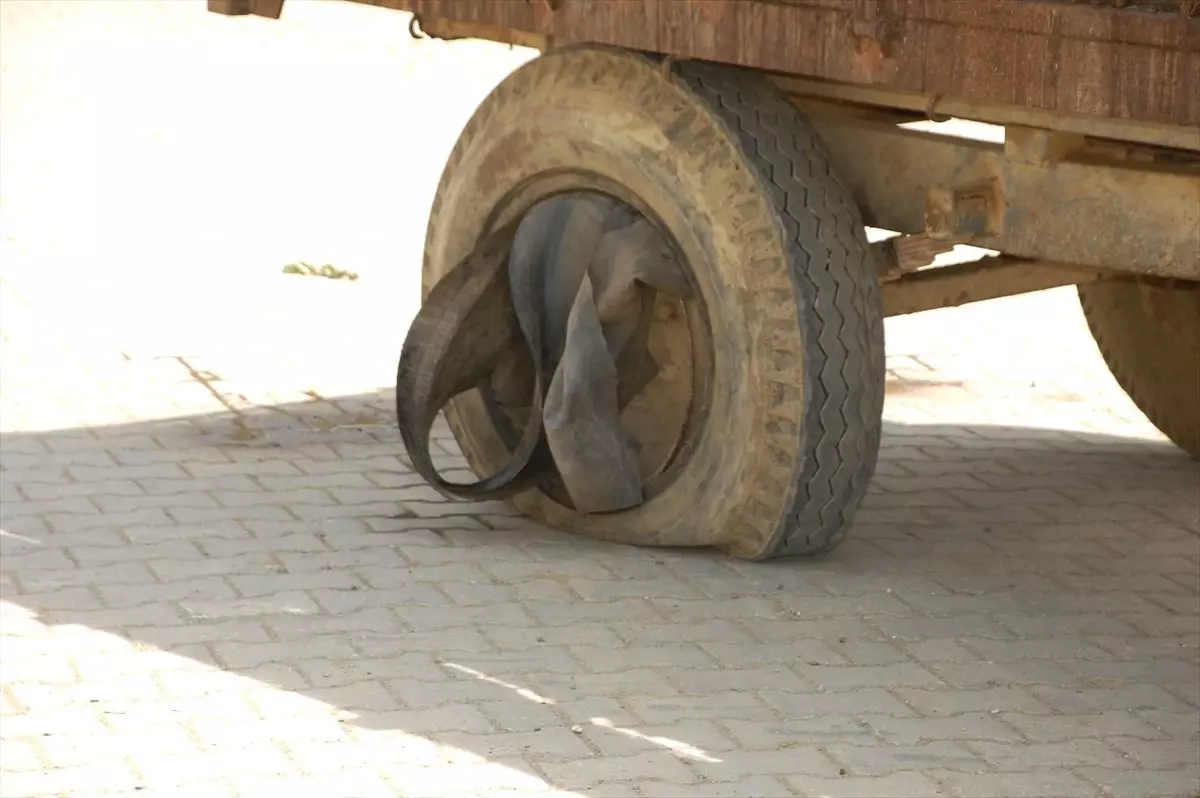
(218, 578)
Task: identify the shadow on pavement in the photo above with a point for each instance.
(286, 561)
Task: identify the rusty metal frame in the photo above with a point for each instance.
(978, 281)
(1039, 195)
(940, 108)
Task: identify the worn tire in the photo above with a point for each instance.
(776, 246)
(1149, 336)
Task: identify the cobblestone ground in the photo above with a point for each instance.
(218, 577)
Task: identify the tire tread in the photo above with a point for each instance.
(844, 356)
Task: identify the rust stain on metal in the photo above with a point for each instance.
(874, 42)
(965, 212)
(869, 56)
(904, 255)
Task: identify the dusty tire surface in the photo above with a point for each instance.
(776, 247)
(1150, 338)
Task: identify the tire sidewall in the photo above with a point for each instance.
(1149, 336)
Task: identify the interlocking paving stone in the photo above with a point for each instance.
(190, 611)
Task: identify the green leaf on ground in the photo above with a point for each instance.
(326, 271)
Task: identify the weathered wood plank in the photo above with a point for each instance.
(1130, 64)
(519, 16)
(628, 23)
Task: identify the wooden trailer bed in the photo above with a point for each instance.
(1117, 62)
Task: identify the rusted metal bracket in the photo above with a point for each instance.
(271, 9)
(966, 212)
(903, 255)
(989, 278)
